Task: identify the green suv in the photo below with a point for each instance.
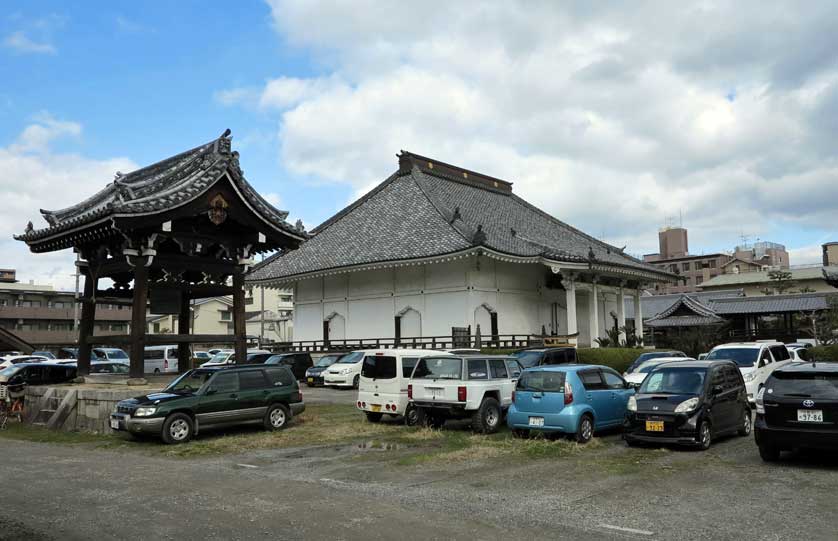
(213, 397)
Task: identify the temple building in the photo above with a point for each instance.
(437, 250)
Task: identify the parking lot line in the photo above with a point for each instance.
(626, 530)
(247, 466)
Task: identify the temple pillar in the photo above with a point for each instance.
(621, 313)
(184, 355)
(88, 318)
(138, 320)
(593, 312)
(570, 298)
(638, 315)
(239, 327)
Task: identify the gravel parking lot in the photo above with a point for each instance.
(371, 487)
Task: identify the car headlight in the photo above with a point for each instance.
(632, 404)
(751, 376)
(144, 412)
(760, 402)
(687, 405)
(345, 371)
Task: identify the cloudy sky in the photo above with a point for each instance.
(617, 119)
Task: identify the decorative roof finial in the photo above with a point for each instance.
(457, 215)
(591, 254)
(226, 133)
(299, 226)
(479, 235)
(29, 227)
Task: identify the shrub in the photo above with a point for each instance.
(824, 353)
(617, 358)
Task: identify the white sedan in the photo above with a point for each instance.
(8, 361)
(636, 377)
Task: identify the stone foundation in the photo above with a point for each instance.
(71, 408)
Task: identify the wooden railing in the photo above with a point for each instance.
(503, 341)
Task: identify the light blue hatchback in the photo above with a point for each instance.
(570, 399)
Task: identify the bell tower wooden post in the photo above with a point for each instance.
(88, 317)
(184, 322)
(138, 320)
(239, 328)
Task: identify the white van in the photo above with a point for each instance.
(160, 359)
(383, 383)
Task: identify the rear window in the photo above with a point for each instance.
(542, 381)
(438, 368)
(408, 364)
(379, 367)
(279, 375)
(814, 385)
(528, 359)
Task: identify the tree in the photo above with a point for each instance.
(781, 282)
(823, 326)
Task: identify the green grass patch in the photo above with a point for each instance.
(40, 434)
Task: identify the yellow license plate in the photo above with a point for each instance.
(375, 407)
(311, 380)
(654, 426)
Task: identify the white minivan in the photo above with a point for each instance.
(160, 359)
(756, 361)
(383, 382)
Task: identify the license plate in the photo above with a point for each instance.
(311, 380)
(536, 421)
(115, 424)
(436, 393)
(375, 407)
(810, 416)
(654, 426)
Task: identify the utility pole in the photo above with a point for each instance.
(262, 313)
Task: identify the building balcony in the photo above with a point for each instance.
(57, 314)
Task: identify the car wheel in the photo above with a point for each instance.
(156, 370)
(277, 417)
(373, 417)
(745, 429)
(768, 453)
(411, 416)
(586, 429)
(520, 433)
(704, 436)
(356, 382)
(487, 417)
(177, 428)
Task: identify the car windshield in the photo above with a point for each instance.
(219, 357)
(744, 357)
(809, 385)
(672, 380)
(442, 368)
(647, 366)
(545, 381)
(328, 360)
(116, 354)
(352, 358)
(528, 359)
(190, 382)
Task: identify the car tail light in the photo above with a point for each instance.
(410, 391)
(513, 396)
(387, 407)
(462, 395)
(364, 404)
(359, 403)
(568, 393)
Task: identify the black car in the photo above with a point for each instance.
(643, 357)
(798, 408)
(688, 403)
(541, 356)
(297, 362)
(37, 374)
(314, 375)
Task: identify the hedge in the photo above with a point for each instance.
(617, 358)
(824, 353)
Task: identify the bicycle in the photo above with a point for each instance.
(11, 404)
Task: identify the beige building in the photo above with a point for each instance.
(830, 254)
(803, 279)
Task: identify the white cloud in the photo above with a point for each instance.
(610, 117)
(35, 177)
(22, 43)
(273, 199)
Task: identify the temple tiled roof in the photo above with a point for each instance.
(164, 185)
(431, 209)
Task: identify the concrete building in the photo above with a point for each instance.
(693, 271)
(830, 254)
(437, 250)
(764, 254)
(45, 317)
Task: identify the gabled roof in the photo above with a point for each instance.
(162, 186)
(430, 209)
(685, 312)
(815, 272)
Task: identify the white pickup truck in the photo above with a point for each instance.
(475, 387)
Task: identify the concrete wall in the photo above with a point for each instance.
(91, 412)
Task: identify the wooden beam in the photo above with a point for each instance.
(138, 322)
(166, 339)
(184, 358)
(239, 327)
(88, 316)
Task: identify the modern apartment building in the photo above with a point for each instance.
(44, 317)
(674, 257)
